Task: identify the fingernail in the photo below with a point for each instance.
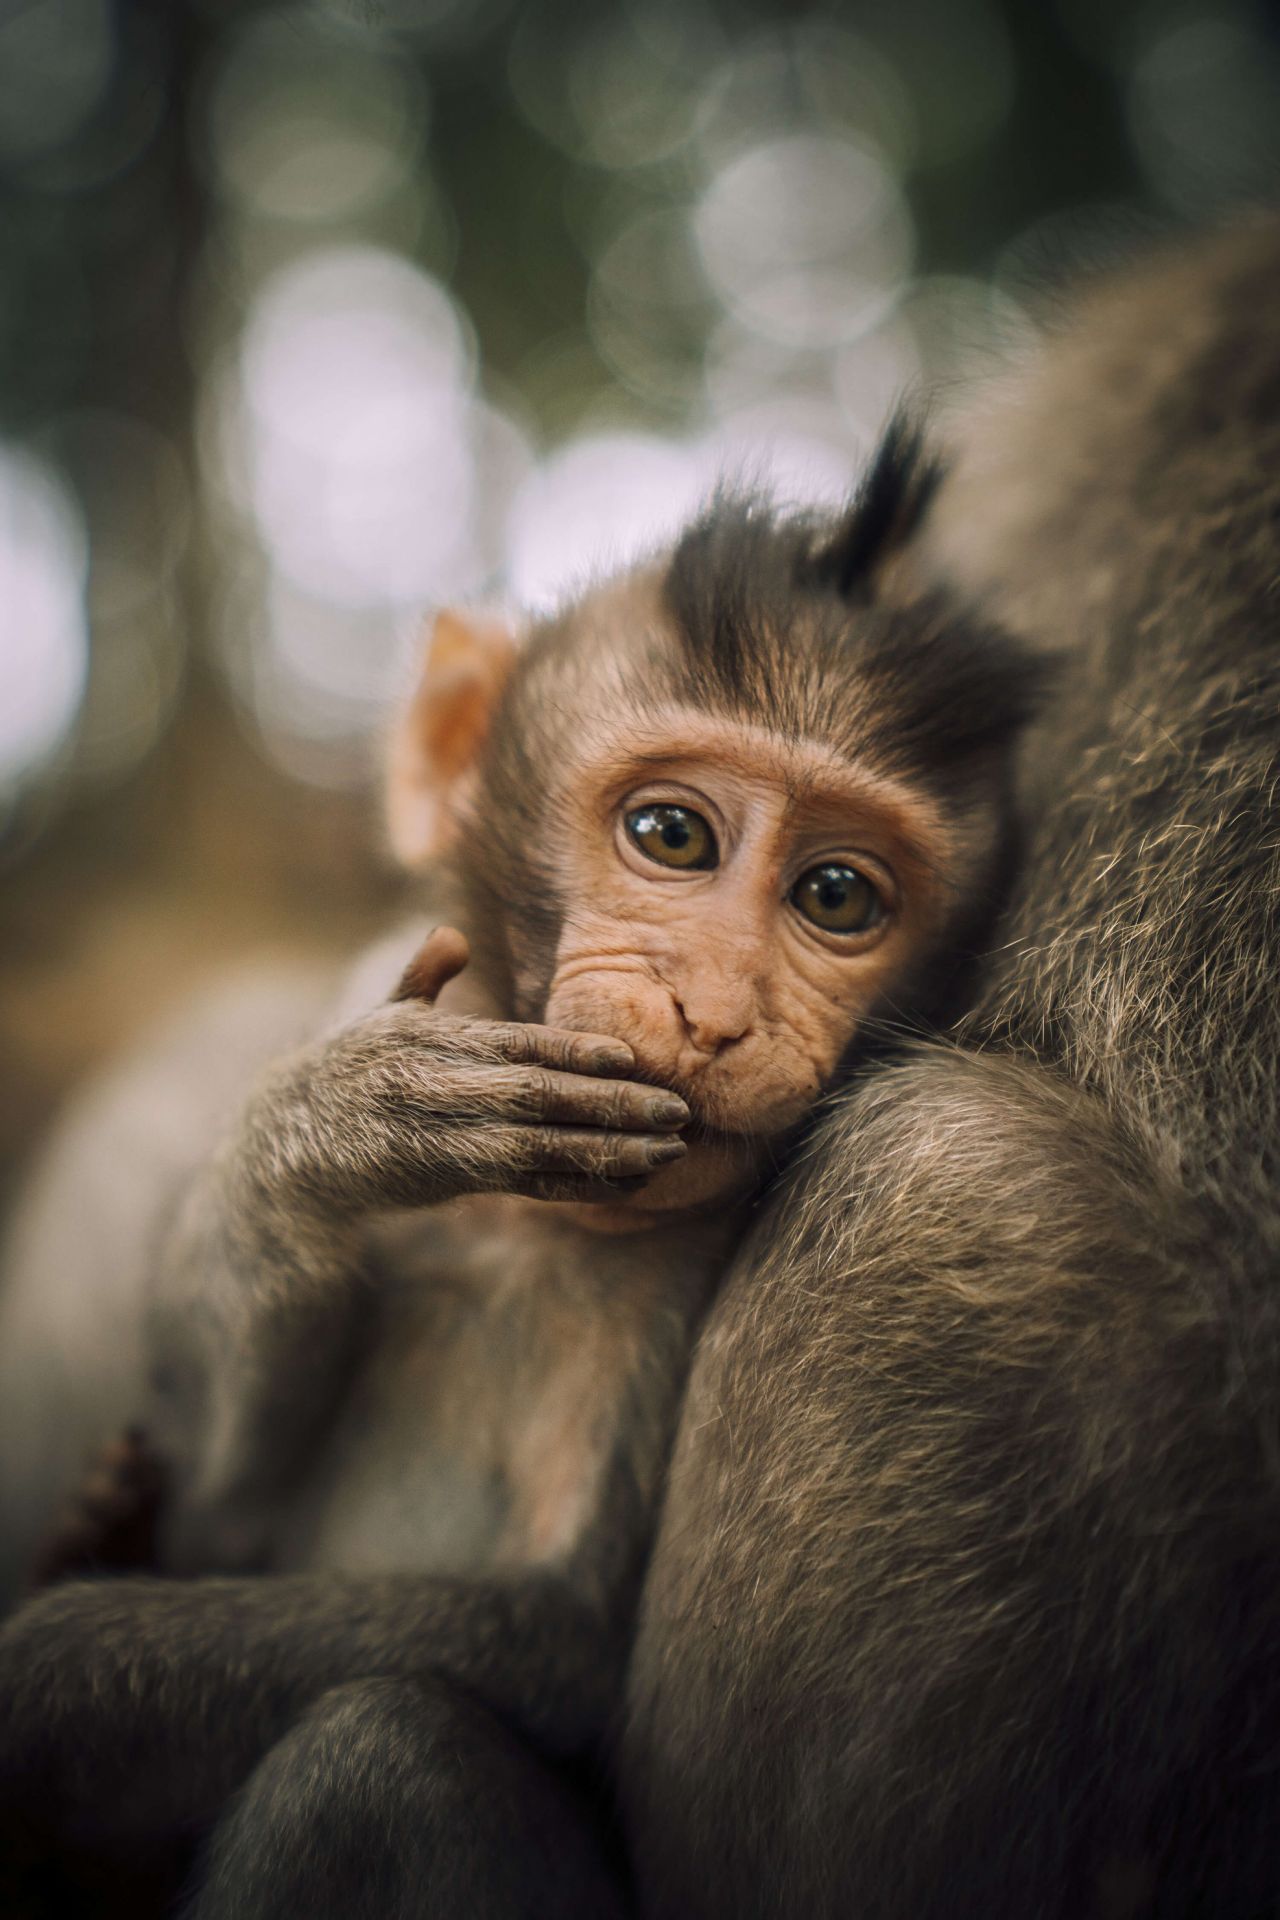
(664, 1150)
(669, 1110)
(616, 1059)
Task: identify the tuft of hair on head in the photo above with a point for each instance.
(785, 620)
(888, 507)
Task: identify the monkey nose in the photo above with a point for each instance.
(713, 1026)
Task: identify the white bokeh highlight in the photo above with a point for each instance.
(44, 642)
(599, 504)
(805, 239)
(356, 381)
(348, 443)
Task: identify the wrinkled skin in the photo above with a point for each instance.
(724, 989)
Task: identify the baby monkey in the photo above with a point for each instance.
(411, 1333)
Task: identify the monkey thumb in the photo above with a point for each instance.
(442, 955)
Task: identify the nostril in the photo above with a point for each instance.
(712, 1031)
(723, 1041)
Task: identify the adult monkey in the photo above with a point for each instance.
(966, 1596)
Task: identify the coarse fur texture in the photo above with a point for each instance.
(402, 1286)
(966, 1594)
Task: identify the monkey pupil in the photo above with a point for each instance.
(673, 836)
(838, 898)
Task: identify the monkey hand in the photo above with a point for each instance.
(409, 1106)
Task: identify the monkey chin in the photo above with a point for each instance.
(719, 1172)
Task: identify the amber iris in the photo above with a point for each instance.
(673, 836)
(838, 899)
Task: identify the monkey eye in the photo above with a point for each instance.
(838, 899)
(673, 836)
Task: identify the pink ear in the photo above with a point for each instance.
(438, 736)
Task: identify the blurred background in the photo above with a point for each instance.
(313, 316)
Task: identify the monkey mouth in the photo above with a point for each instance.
(701, 1133)
(720, 1122)
(732, 1103)
(717, 1123)
(709, 1125)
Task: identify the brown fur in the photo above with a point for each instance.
(966, 1595)
(416, 1418)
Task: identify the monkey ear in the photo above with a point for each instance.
(855, 557)
(437, 738)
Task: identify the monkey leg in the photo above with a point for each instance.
(405, 1801)
(135, 1712)
(965, 1596)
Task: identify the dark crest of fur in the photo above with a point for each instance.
(888, 507)
(782, 623)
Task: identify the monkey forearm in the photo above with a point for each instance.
(263, 1279)
(253, 1319)
(257, 1294)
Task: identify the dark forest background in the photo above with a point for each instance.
(315, 315)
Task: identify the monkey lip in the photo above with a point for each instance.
(700, 1129)
(704, 1131)
(700, 1132)
(718, 1122)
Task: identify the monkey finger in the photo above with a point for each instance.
(559, 1047)
(570, 1098)
(442, 955)
(542, 1093)
(514, 1152)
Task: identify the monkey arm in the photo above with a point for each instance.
(81, 1257)
(138, 1706)
(966, 1510)
(251, 1327)
(270, 1265)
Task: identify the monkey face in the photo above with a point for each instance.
(735, 906)
(730, 807)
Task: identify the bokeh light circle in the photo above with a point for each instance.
(44, 642)
(806, 239)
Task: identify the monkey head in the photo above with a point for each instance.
(730, 808)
